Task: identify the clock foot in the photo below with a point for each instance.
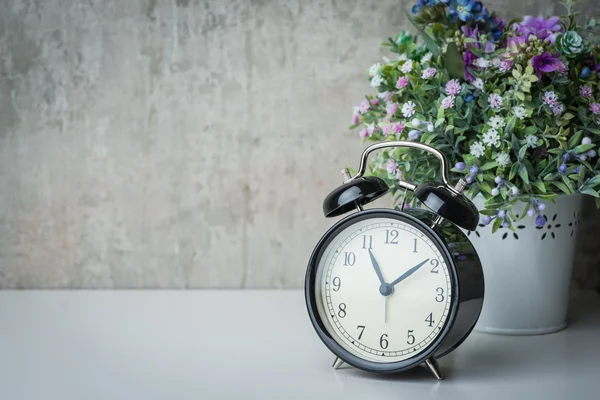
(434, 367)
(337, 363)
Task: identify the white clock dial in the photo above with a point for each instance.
(383, 290)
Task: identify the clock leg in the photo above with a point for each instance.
(337, 363)
(434, 367)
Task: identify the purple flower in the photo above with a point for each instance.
(586, 92)
(514, 43)
(495, 192)
(474, 170)
(453, 87)
(402, 82)
(469, 179)
(375, 101)
(547, 62)
(498, 180)
(495, 101)
(448, 102)
(541, 207)
(355, 117)
(428, 73)
(540, 221)
(398, 127)
(501, 214)
(595, 108)
(364, 106)
(460, 166)
(468, 59)
(562, 169)
(392, 166)
(586, 140)
(506, 65)
(363, 133)
(544, 29)
(566, 156)
(391, 108)
(414, 134)
(531, 212)
(505, 224)
(486, 219)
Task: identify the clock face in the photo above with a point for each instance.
(383, 289)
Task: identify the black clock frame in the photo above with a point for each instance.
(466, 278)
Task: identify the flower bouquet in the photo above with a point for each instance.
(515, 106)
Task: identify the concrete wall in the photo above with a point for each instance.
(180, 143)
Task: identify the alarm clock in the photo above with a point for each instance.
(392, 289)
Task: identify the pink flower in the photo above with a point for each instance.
(364, 106)
(363, 133)
(428, 73)
(595, 108)
(495, 101)
(375, 101)
(398, 127)
(550, 98)
(453, 87)
(558, 108)
(355, 117)
(391, 109)
(586, 92)
(371, 128)
(562, 67)
(448, 102)
(402, 82)
(392, 166)
(506, 65)
(386, 129)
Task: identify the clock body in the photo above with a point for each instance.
(386, 289)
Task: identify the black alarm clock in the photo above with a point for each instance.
(392, 289)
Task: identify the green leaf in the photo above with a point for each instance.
(431, 45)
(568, 116)
(590, 192)
(592, 182)
(561, 186)
(582, 148)
(540, 186)
(454, 62)
(513, 171)
(523, 174)
(522, 151)
(496, 225)
(576, 138)
(488, 165)
(486, 187)
(531, 130)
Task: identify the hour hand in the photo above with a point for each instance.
(376, 267)
(409, 272)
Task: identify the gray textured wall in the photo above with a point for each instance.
(180, 143)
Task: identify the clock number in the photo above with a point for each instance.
(383, 341)
(415, 246)
(411, 337)
(430, 320)
(391, 237)
(362, 329)
(349, 258)
(342, 310)
(440, 297)
(435, 264)
(365, 242)
(337, 282)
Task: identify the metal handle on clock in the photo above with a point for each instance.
(399, 143)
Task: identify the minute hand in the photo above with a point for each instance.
(409, 273)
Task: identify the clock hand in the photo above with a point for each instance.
(376, 267)
(409, 273)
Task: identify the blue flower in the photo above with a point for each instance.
(417, 7)
(463, 9)
(468, 98)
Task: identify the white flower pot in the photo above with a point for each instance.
(528, 272)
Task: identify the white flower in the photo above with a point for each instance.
(407, 66)
(386, 59)
(531, 141)
(376, 81)
(482, 63)
(496, 62)
(384, 95)
(497, 122)
(477, 149)
(426, 57)
(491, 137)
(520, 112)
(374, 70)
(503, 159)
(478, 83)
(402, 57)
(408, 109)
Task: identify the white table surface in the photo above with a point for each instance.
(133, 345)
